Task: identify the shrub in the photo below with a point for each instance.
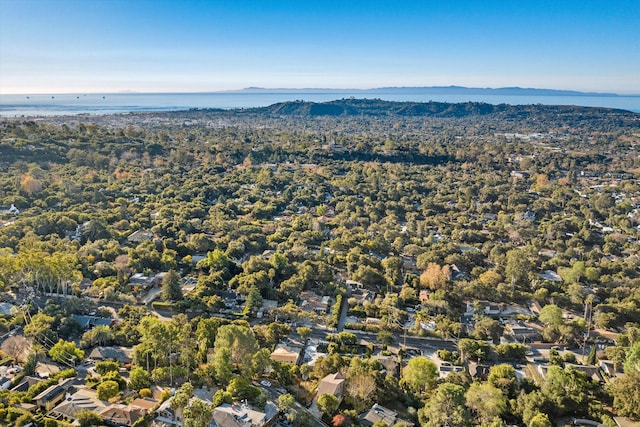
(145, 392)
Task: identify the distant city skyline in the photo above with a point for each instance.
(107, 46)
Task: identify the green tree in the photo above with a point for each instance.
(511, 351)
(198, 414)
(253, 302)
(420, 374)
(139, 378)
(592, 359)
(181, 398)
(40, 325)
(385, 337)
(504, 377)
(171, 287)
(206, 334)
(617, 355)
(87, 418)
(551, 315)
(107, 366)
(285, 402)
(540, 420)
(300, 418)
(328, 404)
(518, 266)
(487, 328)
(216, 260)
(569, 390)
(632, 359)
(222, 396)
(626, 394)
(304, 332)
(66, 352)
(473, 349)
(236, 344)
(446, 408)
(98, 335)
(107, 389)
(486, 400)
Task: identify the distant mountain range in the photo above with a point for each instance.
(436, 90)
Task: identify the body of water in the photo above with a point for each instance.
(65, 104)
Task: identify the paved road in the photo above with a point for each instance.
(344, 310)
(424, 344)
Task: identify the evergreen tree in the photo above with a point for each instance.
(592, 359)
(171, 289)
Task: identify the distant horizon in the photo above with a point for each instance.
(248, 89)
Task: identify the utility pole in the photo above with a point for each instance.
(588, 310)
(170, 364)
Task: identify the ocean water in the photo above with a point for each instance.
(65, 104)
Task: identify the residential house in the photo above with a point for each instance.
(9, 210)
(478, 371)
(609, 368)
(487, 308)
(551, 276)
(545, 252)
(520, 174)
(447, 368)
(424, 295)
(53, 395)
(166, 416)
(409, 264)
(238, 415)
(390, 363)
(458, 273)
(123, 355)
(82, 399)
(363, 296)
(288, 354)
(379, 413)
(310, 302)
(311, 353)
(267, 306)
(140, 236)
(332, 384)
(625, 422)
(489, 217)
(146, 282)
(126, 415)
(45, 370)
(5, 383)
(89, 322)
(26, 383)
(521, 332)
(230, 299)
(6, 308)
(591, 371)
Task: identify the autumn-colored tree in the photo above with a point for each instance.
(435, 277)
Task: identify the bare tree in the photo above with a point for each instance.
(17, 347)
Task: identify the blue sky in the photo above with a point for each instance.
(83, 46)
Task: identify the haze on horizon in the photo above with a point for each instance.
(73, 46)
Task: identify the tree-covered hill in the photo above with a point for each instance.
(377, 107)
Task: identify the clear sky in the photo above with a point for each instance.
(83, 46)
